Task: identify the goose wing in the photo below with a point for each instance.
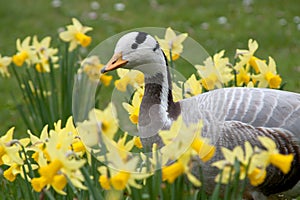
(275, 181)
(253, 106)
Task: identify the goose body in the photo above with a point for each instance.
(230, 116)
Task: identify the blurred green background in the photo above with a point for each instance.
(217, 25)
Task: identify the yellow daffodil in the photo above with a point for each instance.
(253, 162)
(250, 84)
(92, 67)
(123, 173)
(44, 53)
(15, 169)
(50, 176)
(107, 118)
(247, 57)
(268, 75)
(172, 43)
(76, 34)
(72, 137)
(9, 155)
(134, 108)
(54, 153)
(4, 63)
(120, 180)
(9, 148)
(124, 147)
(226, 166)
(178, 168)
(242, 77)
(138, 142)
(192, 87)
(38, 145)
(171, 172)
(122, 166)
(257, 176)
(181, 138)
(177, 91)
(61, 166)
(105, 79)
(134, 78)
(204, 150)
(25, 53)
(9, 173)
(215, 72)
(272, 155)
(99, 122)
(230, 157)
(183, 142)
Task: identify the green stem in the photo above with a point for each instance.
(94, 193)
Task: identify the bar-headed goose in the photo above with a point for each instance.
(231, 116)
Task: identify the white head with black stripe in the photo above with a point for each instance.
(137, 50)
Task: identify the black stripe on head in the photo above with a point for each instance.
(134, 46)
(141, 37)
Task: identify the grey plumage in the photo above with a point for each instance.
(231, 116)
(234, 115)
(254, 106)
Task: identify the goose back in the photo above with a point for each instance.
(254, 106)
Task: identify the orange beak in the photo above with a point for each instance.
(114, 63)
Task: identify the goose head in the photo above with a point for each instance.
(139, 51)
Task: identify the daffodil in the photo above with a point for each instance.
(92, 67)
(9, 148)
(4, 63)
(129, 77)
(177, 91)
(268, 75)
(192, 87)
(55, 154)
(257, 176)
(77, 144)
(76, 34)
(15, 169)
(50, 175)
(123, 146)
(242, 77)
(9, 155)
(134, 108)
(236, 155)
(204, 150)
(273, 156)
(107, 118)
(171, 172)
(226, 166)
(138, 142)
(61, 165)
(38, 145)
(178, 168)
(25, 53)
(172, 43)
(215, 72)
(247, 57)
(121, 173)
(98, 122)
(183, 142)
(44, 54)
(182, 138)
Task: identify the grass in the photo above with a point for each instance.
(272, 23)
